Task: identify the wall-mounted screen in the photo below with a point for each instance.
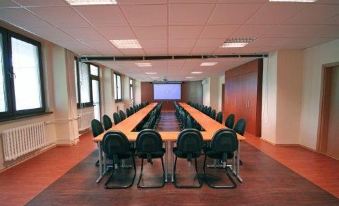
(167, 91)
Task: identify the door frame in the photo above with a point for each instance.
(322, 136)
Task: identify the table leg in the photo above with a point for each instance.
(172, 160)
(100, 163)
(166, 161)
(237, 169)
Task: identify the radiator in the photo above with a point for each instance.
(19, 141)
(85, 118)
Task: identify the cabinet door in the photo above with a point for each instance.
(250, 98)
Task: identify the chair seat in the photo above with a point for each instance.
(216, 155)
(157, 154)
(184, 155)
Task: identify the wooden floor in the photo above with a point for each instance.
(22, 183)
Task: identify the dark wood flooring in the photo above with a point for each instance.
(266, 182)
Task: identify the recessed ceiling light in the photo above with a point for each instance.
(196, 72)
(301, 1)
(150, 73)
(189, 77)
(236, 42)
(208, 64)
(143, 64)
(91, 2)
(126, 44)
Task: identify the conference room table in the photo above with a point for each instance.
(127, 126)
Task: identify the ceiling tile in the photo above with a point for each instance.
(209, 43)
(145, 15)
(120, 32)
(184, 32)
(40, 3)
(154, 32)
(218, 31)
(108, 15)
(233, 13)
(315, 14)
(152, 43)
(84, 34)
(136, 2)
(60, 16)
(189, 14)
(8, 4)
(274, 13)
(21, 18)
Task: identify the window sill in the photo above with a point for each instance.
(18, 117)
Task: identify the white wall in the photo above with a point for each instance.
(269, 98)
(206, 92)
(314, 59)
(221, 81)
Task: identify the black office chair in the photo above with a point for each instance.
(116, 147)
(122, 115)
(107, 122)
(189, 146)
(128, 112)
(149, 147)
(219, 117)
(229, 122)
(212, 114)
(222, 148)
(189, 123)
(116, 118)
(97, 129)
(240, 128)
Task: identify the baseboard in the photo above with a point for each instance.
(267, 141)
(287, 145)
(27, 157)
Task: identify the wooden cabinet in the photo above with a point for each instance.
(243, 89)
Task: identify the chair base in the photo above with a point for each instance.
(151, 186)
(122, 186)
(231, 186)
(187, 186)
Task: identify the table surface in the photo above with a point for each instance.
(127, 126)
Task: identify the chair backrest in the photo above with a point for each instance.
(148, 141)
(212, 114)
(190, 142)
(115, 143)
(189, 122)
(230, 121)
(96, 127)
(122, 115)
(240, 126)
(107, 122)
(128, 112)
(219, 117)
(116, 118)
(224, 141)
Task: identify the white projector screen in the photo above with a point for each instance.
(167, 91)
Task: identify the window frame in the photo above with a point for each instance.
(115, 77)
(85, 104)
(131, 84)
(10, 100)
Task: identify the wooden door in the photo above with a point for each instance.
(328, 142)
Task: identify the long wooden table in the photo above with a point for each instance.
(128, 125)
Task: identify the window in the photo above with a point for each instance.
(76, 77)
(3, 106)
(21, 83)
(131, 95)
(82, 84)
(85, 93)
(117, 87)
(26, 75)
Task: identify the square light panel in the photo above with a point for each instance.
(150, 73)
(196, 72)
(126, 44)
(208, 64)
(143, 64)
(298, 1)
(90, 2)
(236, 42)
